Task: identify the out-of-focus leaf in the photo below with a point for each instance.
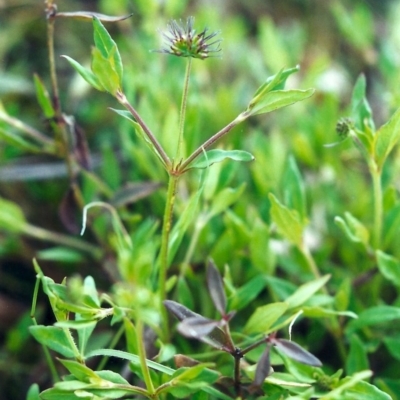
(218, 155)
(357, 359)
(54, 338)
(386, 137)
(296, 352)
(62, 254)
(81, 149)
(11, 216)
(43, 97)
(361, 110)
(224, 199)
(319, 312)
(392, 344)
(15, 140)
(353, 229)
(389, 267)
(288, 221)
(132, 192)
(88, 16)
(305, 291)
(247, 293)
(33, 392)
(264, 317)
(374, 317)
(216, 287)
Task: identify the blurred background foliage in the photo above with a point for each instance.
(333, 41)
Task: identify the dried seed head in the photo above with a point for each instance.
(183, 41)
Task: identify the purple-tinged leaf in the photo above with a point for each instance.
(88, 16)
(180, 311)
(263, 368)
(81, 149)
(216, 287)
(197, 327)
(296, 352)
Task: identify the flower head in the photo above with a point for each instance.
(183, 41)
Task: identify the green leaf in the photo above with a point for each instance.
(319, 312)
(224, 199)
(80, 371)
(294, 194)
(392, 345)
(247, 293)
(305, 291)
(33, 392)
(108, 48)
(43, 98)
(12, 218)
(57, 394)
(362, 390)
(389, 267)
(218, 155)
(357, 359)
(288, 221)
(272, 101)
(361, 110)
(17, 141)
(62, 254)
(86, 74)
(353, 229)
(139, 131)
(105, 72)
(374, 316)
(54, 338)
(386, 137)
(264, 317)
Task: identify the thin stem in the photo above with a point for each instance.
(164, 264)
(378, 211)
(53, 370)
(310, 262)
(210, 142)
(142, 357)
(183, 108)
(124, 101)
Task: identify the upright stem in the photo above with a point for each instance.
(183, 109)
(378, 211)
(162, 278)
(142, 357)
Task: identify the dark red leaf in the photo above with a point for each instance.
(133, 192)
(296, 352)
(197, 327)
(180, 311)
(81, 148)
(216, 287)
(263, 368)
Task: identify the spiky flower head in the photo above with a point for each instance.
(183, 41)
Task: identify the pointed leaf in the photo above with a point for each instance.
(387, 137)
(361, 110)
(11, 216)
(88, 16)
(389, 267)
(288, 221)
(43, 97)
(79, 370)
(33, 392)
(179, 310)
(86, 74)
(305, 291)
(264, 317)
(133, 192)
(296, 352)
(54, 338)
(216, 288)
(108, 48)
(278, 99)
(104, 69)
(217, 155)
(197, 327)
(263, 368)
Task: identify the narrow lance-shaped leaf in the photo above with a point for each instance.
(107, 46)
(197, 327)
(43, 97)
(104, 69)
(89, 15)
(216, 287)
(218, 155)
(296, 352)
(263, 368)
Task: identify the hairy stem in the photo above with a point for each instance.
(182, 113)
(164, 263)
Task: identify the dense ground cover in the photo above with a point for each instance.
(274, 243)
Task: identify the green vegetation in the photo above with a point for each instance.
(211, 211)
